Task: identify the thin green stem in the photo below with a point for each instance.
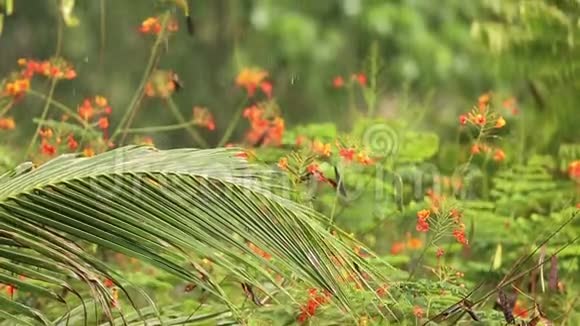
(103, 34)
(159, 128)
(53, 83)
(65, 109)
(6, 108)
(138, 95)
(181, 119)
(59, 32)
(233, 123)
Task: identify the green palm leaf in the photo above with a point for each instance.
(168, 209)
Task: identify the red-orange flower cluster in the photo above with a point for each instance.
(350, 154)
(16, 88)
(267, 128)
(202, 117)
(574, 170)
(251, 79)
(359, 78)
(315, 300)
(97, 107)
(422, 224)
(152, 25)
(53, 68)
(7, 124)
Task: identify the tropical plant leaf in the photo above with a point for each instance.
(168, 209)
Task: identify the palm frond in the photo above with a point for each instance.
(168, 209)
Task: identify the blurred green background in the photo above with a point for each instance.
(438, 55)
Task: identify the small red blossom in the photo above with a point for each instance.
(440, 252)
(397, 248)
(418, 312)
(338, 82)
(361, 79)
(7, 124)
(498, 155)
(108, 283)
(250, 79)
(463, 119)
(459, 235)
(347, 153)
(479, 119)
(72, 143)
(574, 170)
(266, 88)
(47, 149)
(422, 225)
(103, 123)
(423, 214)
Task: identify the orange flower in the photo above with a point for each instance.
(86, 110)
(103, 123)
(418, 312)
(475, 149)
(45, 133)
(338, 82)
(459, 235)
(414, 243)
(498, 155)
(423, 214)
(17, 88)
(47, 149)
(312, 168)
(361, 79)
(250, 78)
(574, 170)
(479, 119)
(7, 124)
(422, 225)
(283, 163)
(72, 143)
(88, 152)
(266, 88)
(321, 149)
(397, 248)
(500, 122)
(483, 100)
(364, 159)
(347, 153)
(101, 101)
(108, 283)
(463, 119)
(150, 25)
